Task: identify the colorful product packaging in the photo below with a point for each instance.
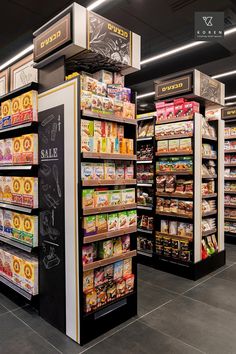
(88, 198)
(8, 152)
(30, 192)
(16, 110)
(29, 149)
(6, 114)
(17, 151)
(29, 106)
(7, 189)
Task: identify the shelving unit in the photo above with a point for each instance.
(228, 115)
(168, 254)
(146, 239)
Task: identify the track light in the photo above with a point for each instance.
(95, 4)
(230, 97)
(146, 95)
(17, 56)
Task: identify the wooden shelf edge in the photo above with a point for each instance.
(108, 182)
(174, 173)
(105, 156)
(174, 215)
(109, 117)
(174, 136)
(189, 238)
(174, 153)
(106, 261)
(210, 232)
(109, 234)
(209, 213)
(92, 211)
(175, 120)
(174, 195)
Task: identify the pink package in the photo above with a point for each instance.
(129, 171)
(87, 254)
(169, 110)
(125, 243)
(161, 111)
(98, 276)
(191, 108)
(179, 107)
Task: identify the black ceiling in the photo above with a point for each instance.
(162, 24)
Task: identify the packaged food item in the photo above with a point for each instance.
(129, 171)
(29, 106)
(89, 225)
(16, 111)
(17, 151)
(127, 267)
(173, 227)
(115, 197)
(6, 113)
(120, 287)
(111, 291)
(97, 103)
(118, 79)
(101, 295)
(170, 184)
(98, 276)
(7, 229)
(123, 220)
(86, 100)
(128, 110)
(87, 254)
(87, 144)
(8, 152)
(185, 144)
(88, 198)
(101, 89)
(113, 222)
(191, 107)
(174, 145)
(101, 223)
(117, 246)
(87, 171)
(87, 128)
(29, 149)
(115, 91)
(89, 84)
(166, 205)
(101, 199)
(118, 270)
(90, 300)
(1, 223)
(164, 226)
(108, 273)
(29, 229)
(104, 76)
(107, 105)
(7, 189)
(105, 249)
(132, 217)
(125, 243)
(163, 146)
(118, 108)
(120, 171)
(128, 196)
(129, 283)
(169, 110)
(99, 129)
(110, 170)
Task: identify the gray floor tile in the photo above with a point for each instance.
(207, 328)
(51, 334)
(17, 338)
(228, 274)
(11, 300)
(150, 297)
(230, 252)
(138, 338)
(216, 292)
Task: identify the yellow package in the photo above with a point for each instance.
(16, 111)
(30, 276)
(17, 151)
(7, 189)
(17, 270)
(1, 188)
(30, 149)
(30, 192)
(17, 190)
(130, 144)
(124, 146)
(17, 223)
(111, 130)
(29, 233)
(29, 105)
(6, 113)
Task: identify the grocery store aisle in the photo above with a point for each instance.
(175, 316)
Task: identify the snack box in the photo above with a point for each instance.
(87, 144)
(161, 111)
(99, 145)
(86, 100)
(125, 239)
(118, 108)
(132, 217)
(29, 106)
(89, 84)
(120, 131)
(105, 249)
(1, 188)
(29, 149)
(129, 110)
(129, 283)
(16, 109)
(127, 267)
(185, 144)
(118, 79)
(89, 225)
(87, 128)
(101, 89)
(120, 171)
(179, 108)
(112, 145)
(99, 171)
(87, 254)
(117, 246)
(101, 223)
(120, 288)
(7, 223)
(110, 170)
(87, 171)
(114, 197)
(8, 152)
(101, 199)
(29, 228)
(113, 222)
(98, 276)
(6, 113)
(99, 129)
(90, 300)
(123, 220)
(30, 192)
(128, 196)
(88, 280)
(17, 150)
(101, 295)
(17, 190)
(115, 91)
(7, 189)
(104, 76)
(111, 129)
(118, 270)
(2, 145)
(163, 146)
(169, 110)
(129, 171)
(174, 145)
(108, 273)
(191, 107)
(17, 226)
(88, 198)
(97, 104)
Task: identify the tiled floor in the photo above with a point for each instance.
(175, 316)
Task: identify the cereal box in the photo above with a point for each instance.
(127, 267)
(8, 265)
(87, 254)
(89, 84)
(99, 129)
(17, 150)
(123, 146)
(120, 131)
(2, 260)
(119, 79)
(129, 283)
(101, 89)
(87, 128)
(174, 145)
(7, 189)
(97, 104)
(17, 225)
(18, 265)
(7, 222)
(101, 223)
(30, 276)
(29, 106)
(113, 222)
(129, 171)
(128, 196)
(99, 171)
(101, 199)
(90, 300)
(87, 144)
(17, 190)
(117, 246)
(123, 219)
(112, 145)
(1, 188)
(129, 110)
(98, 276)
(107, 105)
(88, 198)
(2, 143)
(88, 280)
(30, 149)
(114, 197)
(105, 249)
(125, 243)
(185, 144)
(130, 150)
(1, 221)
(111, 130)
(118, 270)
(16, 111)
(98, 145)
(114, 91)
(30, 192)
(29, 234)
(89, 225)
(163, 146)
(6, 113)
(8, 152)
(120, 171)
(118, 108)
(87, 171)
(86, 100)
(110, 170)
(104, 76)
(132, 217)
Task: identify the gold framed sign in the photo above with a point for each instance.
(173, 87)
(23, 73)
(4, 82)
